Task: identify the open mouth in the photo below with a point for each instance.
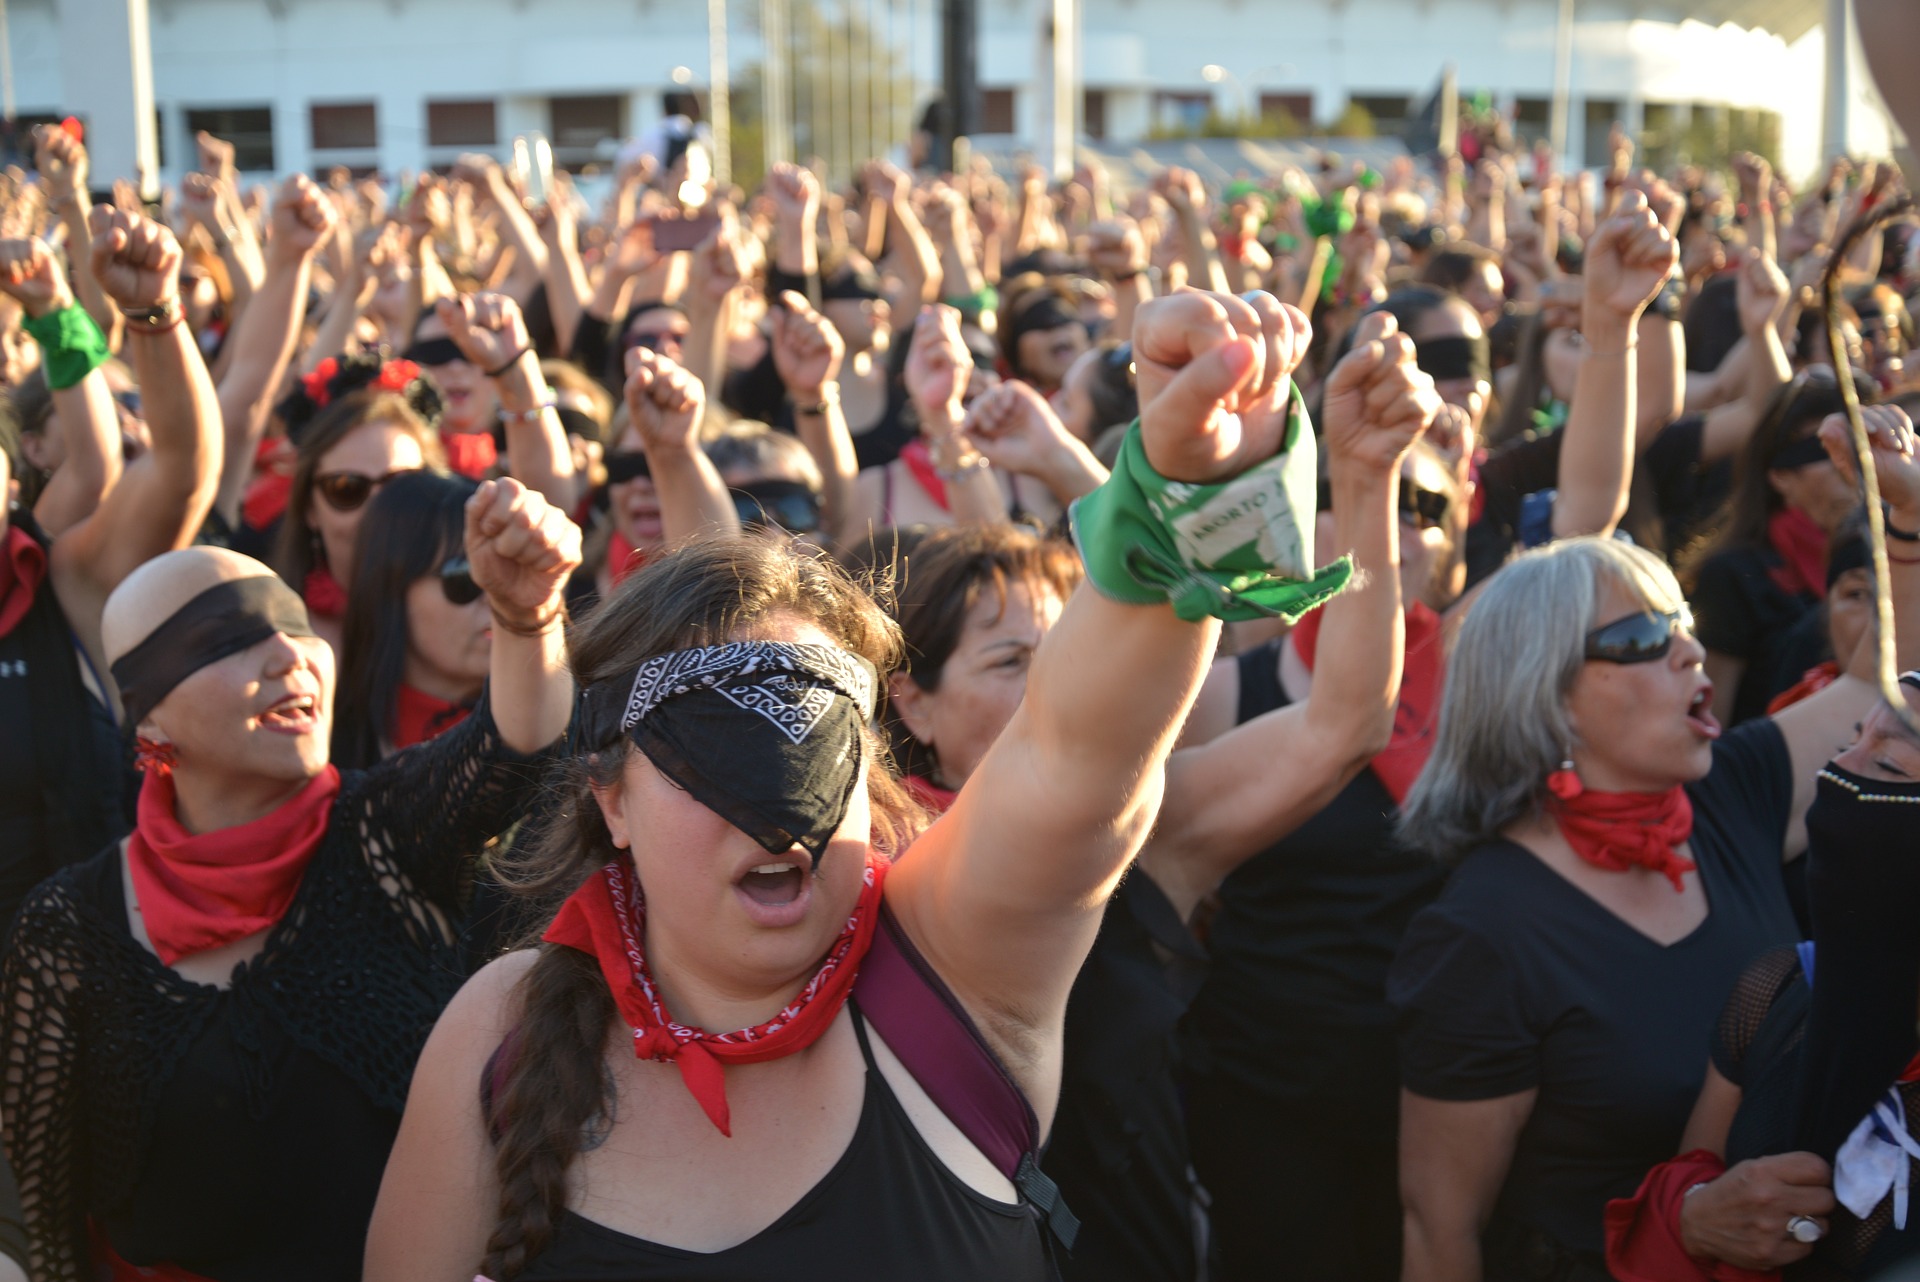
(1700, 713)
(294, 714)
(775, 884)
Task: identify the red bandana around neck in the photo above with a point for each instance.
(1802, 545)
(919, 461)
(1622, 830)
(1422, 676)
(323, 594)
(419, 716)
(23, 564)
(198, 891)
(607, 919)
(623, 558)
(471, 454)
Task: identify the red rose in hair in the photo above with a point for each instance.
(317, 380)
(396, 376)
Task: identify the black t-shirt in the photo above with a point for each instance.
(1741, 609)
(1516, 980)
(1295, 1004)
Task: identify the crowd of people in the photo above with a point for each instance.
(723, 731)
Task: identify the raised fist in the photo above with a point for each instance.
(1377, 400)
(135, 259)
(807, 349)
(521, 549)
(665, 403)
(30, 275)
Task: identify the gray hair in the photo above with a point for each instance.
(1503, 719)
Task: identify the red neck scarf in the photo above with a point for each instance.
(201, 890)
(607, 918)
(419, 716)
(471, 454)
(323, 594)
(919, 461)
(23, 564)
(623, 558)
(1812, 682)
(1622, 830)
(928, 793)
(1415, 716)
(1802, 546)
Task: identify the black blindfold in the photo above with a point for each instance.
(225, 619)
(766, 734)
(434, 351)
(1459, 357)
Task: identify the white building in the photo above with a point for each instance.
(398, 84)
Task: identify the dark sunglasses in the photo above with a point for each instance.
(626, 465)
(456, 581)
(1425, 508)
(128, 401)
(790, 505)
(349, 491)
(1638, 638)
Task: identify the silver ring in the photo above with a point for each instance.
(1802, 1229)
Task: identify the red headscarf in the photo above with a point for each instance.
(606, 918)
(199, 891)
(23, 564)
(1417, 714)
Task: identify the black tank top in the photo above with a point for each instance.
(888, 1211)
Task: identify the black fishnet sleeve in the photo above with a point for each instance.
(41, 1113)
(423, 816)
(1754, 994)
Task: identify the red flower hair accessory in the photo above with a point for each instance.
(315, 383)
(396, 376)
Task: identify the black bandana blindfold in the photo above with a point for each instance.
(225, 619)
(1447, 358)
(766, 734)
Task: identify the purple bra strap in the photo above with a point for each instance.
(924, 1024)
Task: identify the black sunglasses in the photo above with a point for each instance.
(626, 465)
(789, 505)
(456, 580)
(1638, 638)
(1425, 508)
(349, 491)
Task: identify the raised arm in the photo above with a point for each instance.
(522, 550)
(1015, 429)
(90, 430)
(1234, 796)
(915, 260)
(1628, 260)
(490, 332)
(263, 341)
(713, 280)
(515, 224)
(1004, 893)
(164, 495)
(807, 352)
(1761, 294)
(666, 404)
(566, 276)
(938, 369)
(62, 164)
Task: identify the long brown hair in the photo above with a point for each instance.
(295, 554)
(544, 1101)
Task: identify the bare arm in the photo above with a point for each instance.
(522, 549)
(1627, 261)
(1454, 1157)
(713, 278)
(666, 404)
(566, 276)
(62, 164)
(1231, 798)
(807, 351)
(915, 261)
(263, 344)
(938, 366)
(1004, 893)
(1762, 297)
(492, 335)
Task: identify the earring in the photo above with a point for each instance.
(153, 757)
(1564, 783)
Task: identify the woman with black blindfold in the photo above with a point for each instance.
(212, 1025)
(415, 652)
(1616, 865)
(1798, 1159)
(700, 1074)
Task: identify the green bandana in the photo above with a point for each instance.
(70, 343)
(1239, 550)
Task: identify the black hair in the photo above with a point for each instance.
(412, 526)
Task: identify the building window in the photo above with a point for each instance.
(1093, 113)
(1285, 107)
(1602, 115)
(346, 126)
(578, 126)
(249, 129)
(461, 124)
(1532, 119)
(1389, 112)
(996, 111)
(1182, 113)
